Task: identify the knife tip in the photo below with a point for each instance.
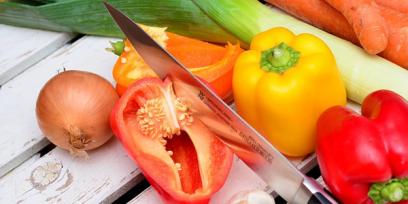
(107, 5)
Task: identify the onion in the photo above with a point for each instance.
(73, 111)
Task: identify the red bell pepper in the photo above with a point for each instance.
(364, 159)
(180, 157)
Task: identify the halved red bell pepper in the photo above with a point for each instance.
(364, 159)
(180, 157)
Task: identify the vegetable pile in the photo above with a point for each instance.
(73, 110)
(291, 85)
(216, 21)
(379, 25)
(361, 72)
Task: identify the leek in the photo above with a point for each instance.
(91, 17)
(361, 72)
(214, 21)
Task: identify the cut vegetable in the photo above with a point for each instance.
(178, 154)
(213, 63)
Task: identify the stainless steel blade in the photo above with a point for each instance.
(264, 159)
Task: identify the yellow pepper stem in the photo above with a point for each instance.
(279, 58)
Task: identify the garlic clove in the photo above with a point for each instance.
(252, 197)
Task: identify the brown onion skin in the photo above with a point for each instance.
(73, 110)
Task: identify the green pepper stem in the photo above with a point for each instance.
(279, 58)
(117, 47)
(394, 190)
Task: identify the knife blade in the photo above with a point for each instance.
(250, 146)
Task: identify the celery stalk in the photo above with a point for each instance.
(361, 72)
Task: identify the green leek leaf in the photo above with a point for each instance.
(91, 17)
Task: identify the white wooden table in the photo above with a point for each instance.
(28, 58)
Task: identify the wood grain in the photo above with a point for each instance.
(22, 47)
(58, 177)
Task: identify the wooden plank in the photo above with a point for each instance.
(21, 167)
(18, 125)
(22, 47)
(58, 177)
(241, 178)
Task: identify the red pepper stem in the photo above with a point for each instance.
(394, 190)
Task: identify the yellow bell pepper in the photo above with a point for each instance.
(283, 83)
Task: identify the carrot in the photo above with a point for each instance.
(398, 5)
(322, 15)
(319, 14)
(368, 24)
(397, 50)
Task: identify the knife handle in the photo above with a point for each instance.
(319, 194)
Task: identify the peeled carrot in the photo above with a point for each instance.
(322, 15)
(398, 5)
(397, 50)
(368, 24)
(319, 14)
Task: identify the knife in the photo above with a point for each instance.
(250, 146)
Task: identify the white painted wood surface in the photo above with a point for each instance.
(22, 47)
(240, 179)
(105, 176)
(21, 136)
(58, 177)
(22, 167)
